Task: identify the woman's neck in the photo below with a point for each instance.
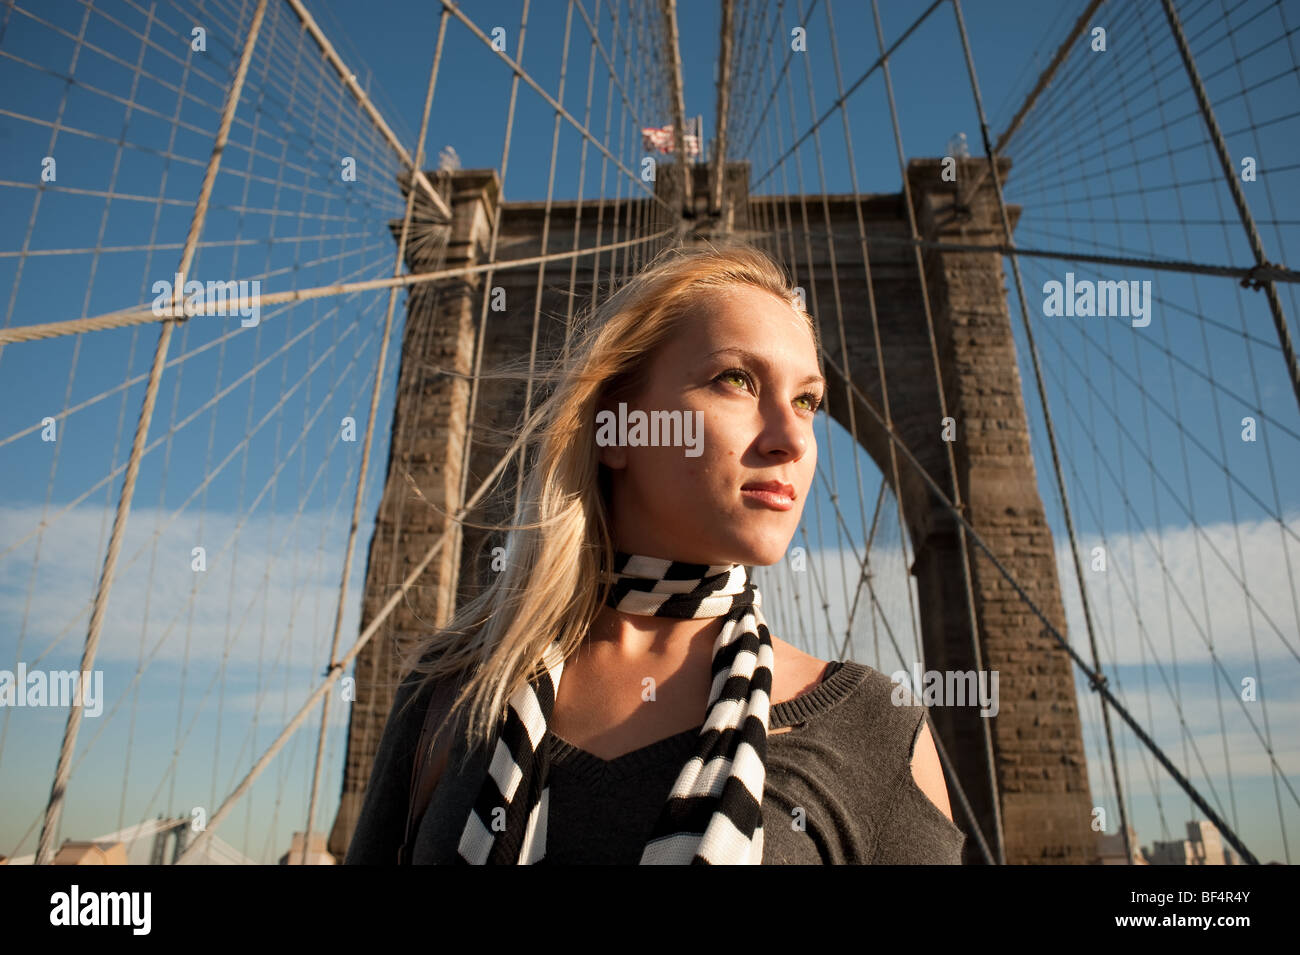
(635, 635)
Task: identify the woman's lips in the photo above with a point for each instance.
(777, 500)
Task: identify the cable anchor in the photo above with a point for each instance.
(1251, 280)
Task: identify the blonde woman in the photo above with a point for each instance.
(621, 697)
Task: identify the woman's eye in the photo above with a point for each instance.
(733, 373)
(814, 401)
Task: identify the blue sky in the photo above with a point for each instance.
(1114, 162)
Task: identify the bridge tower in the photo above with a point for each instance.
(1038, 771)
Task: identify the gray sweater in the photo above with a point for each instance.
(839, 788)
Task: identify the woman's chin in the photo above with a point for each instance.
(763, 553)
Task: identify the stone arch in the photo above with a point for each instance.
(1039, 768)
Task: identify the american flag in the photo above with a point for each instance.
(657, 137)
(661, 138)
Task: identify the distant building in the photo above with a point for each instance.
(317, 853)
(91, 853)
(1110, 849)
(103, 851)
(145, 843)
(1203, 846)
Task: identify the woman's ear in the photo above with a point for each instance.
(609, 453)
(612, 456)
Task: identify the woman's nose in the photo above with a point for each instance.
(790, 438)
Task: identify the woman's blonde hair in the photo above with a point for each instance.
(560, 542)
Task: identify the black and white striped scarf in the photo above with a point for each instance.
(713, 813)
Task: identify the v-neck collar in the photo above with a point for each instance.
(840, 680)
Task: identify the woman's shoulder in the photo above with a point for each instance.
(851, 747)
(854, 727)
(856, 704)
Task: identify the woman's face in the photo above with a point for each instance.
(744, 366)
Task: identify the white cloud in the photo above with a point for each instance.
(250, 603)
(1196, 682)
(1214, 608)
(1134, 585)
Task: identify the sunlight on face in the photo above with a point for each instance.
(745, 366)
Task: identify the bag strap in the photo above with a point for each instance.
(431, 755)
